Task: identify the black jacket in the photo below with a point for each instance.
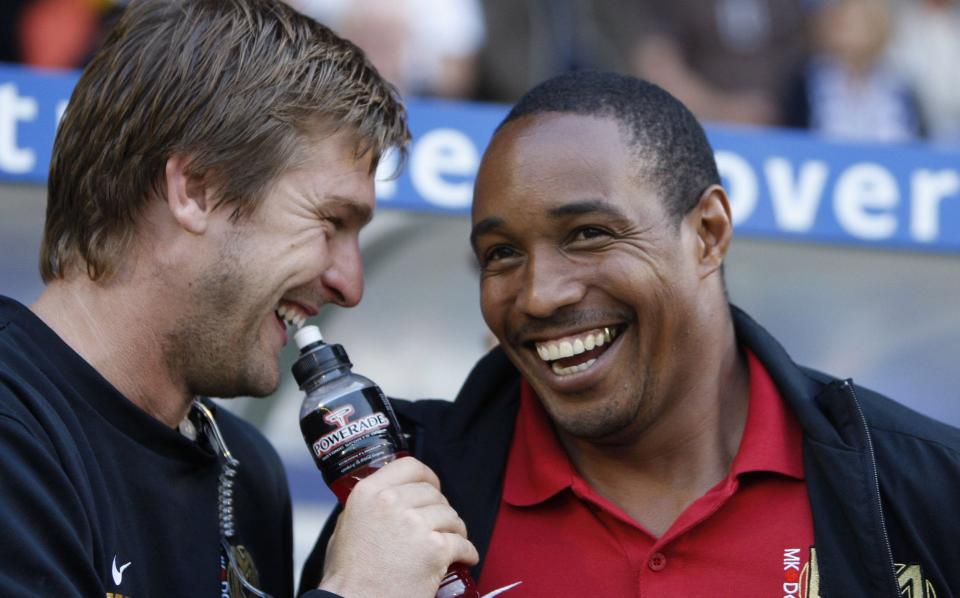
(90, 484)
(883, 481)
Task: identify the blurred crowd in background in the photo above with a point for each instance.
(867, 70)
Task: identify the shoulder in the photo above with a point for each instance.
(892, 422)
(30, 402)
(888, 419)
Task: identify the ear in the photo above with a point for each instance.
(186, 196)
(714, 225)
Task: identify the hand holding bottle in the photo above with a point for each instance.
(353, 434)
(397, 535)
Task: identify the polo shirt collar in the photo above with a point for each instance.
(772, 437)
(538, 467)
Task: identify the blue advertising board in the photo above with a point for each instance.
(782, 184)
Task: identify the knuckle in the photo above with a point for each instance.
(387, 497)
(412, 518)
(436, 496)
(364, 488)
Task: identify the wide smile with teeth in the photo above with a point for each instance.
(574, 354)
(291, 314)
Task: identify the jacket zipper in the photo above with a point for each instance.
(876, 486)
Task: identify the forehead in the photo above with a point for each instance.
(540, 161)
(328, 167)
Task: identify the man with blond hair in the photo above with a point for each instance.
(215, 164)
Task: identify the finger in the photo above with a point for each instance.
(461, 550)
(414, 495)
(402, 471)
(442, 518)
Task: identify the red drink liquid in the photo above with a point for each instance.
(343, 486)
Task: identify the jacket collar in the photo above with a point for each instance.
(825, 415)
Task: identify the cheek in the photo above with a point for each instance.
(487, 310)
(494, 303)
(308, 254)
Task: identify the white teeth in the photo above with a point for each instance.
(589, 343)
(575, 345)
(291, 315)
(572, 369)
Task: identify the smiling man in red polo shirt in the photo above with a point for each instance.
(650, 456)
(653, 453)
(636, 435)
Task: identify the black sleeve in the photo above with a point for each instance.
(46, 535)
(320, 594)
(313, 568)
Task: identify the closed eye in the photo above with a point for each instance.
(497, 253)
(587, 233)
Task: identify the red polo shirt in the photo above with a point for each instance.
(750, 535)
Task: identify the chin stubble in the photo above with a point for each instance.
(213, 343)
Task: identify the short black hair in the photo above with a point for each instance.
(672, 150)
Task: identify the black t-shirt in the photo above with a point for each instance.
(98, 498)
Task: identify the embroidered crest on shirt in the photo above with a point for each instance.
(802, 579)
(912, 582)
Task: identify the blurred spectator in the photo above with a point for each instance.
(848, 90)
(53, 33)
(926, 50)
(10, 11)
(728, 60)
(58, 33)
(531, 40)
(424, 47)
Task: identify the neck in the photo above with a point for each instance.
(684, 448)
(113, 327)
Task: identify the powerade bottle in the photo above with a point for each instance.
(351, 429)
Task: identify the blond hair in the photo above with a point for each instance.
(236, 86)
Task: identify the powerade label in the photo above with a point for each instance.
(350, 432)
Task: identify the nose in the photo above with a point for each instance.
(548, 284)
(343, 279)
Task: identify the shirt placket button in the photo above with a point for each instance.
(657, 562)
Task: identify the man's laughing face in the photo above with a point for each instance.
(586, 279)
(297, 251)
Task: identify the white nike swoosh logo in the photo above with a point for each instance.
(118, 573)
(501, 590)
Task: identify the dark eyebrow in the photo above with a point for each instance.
(587, 206)
(358, 211)
(575, 208)
(483, 227)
